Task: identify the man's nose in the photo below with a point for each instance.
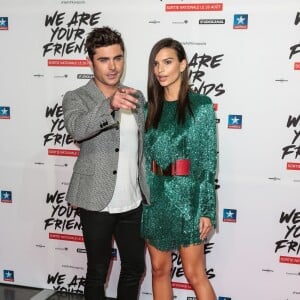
(112, 65)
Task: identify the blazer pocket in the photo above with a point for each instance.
(84, 167)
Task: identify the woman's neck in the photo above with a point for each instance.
(171, 95)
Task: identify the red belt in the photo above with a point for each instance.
(181, 167)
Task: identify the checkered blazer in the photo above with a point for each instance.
(89, 121)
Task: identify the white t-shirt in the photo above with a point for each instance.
(127, 194)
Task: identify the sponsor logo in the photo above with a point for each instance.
(63, 152)
(72, 267)
(4, 112)
(229, 215)
(147, 293)
(181, 285)
(274, 178)
(65, 237)
(3, 23)
(67, 63)
(61, 165)
(85, 76)
(296, 293)
(235, 121)
(8, 275)
(154, 22)
(191, 298)
(268, 270)
(40, 246)
(38, 75)
(293, 166)
(297, 66)
(180, 22)
(281, 80)
(194, 7)
(61, 248)
(289, 260)
(240, 21)
(6, 196)
(224, 298)
(72, 2)
(289, 273)
(61, 76)
(81, 250)
(211, 21)
(194, 43)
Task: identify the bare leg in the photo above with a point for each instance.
(161, 262)
(193, 263)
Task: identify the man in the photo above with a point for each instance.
(108, 183)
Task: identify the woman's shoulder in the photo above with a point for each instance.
(198, 99)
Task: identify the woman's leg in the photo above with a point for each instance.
(193, 263)
(161, 262)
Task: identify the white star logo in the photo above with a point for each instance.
(6, 195)
(230, 214)
(8, 274)
(235, 120)
(4, 111)
(241, 20)
(2, 22)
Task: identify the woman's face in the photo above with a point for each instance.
(167, 68)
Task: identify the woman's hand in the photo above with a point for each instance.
(205, 227)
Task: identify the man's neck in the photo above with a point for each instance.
(107, 90)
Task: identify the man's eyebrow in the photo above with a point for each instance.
(106, 57)
(118, 56)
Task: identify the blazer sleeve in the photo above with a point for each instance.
(84, 117)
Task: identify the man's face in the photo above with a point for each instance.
(108, 66)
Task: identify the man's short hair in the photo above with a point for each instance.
(102, 37)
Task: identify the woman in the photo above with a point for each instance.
(180, 151)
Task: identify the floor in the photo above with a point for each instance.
(13, 292)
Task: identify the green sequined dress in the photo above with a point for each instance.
(177, 202)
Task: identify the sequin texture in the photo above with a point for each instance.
(177, 202)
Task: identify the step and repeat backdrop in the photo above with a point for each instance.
(245, 55)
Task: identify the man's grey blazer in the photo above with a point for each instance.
(88, 119)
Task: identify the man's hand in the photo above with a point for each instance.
(124, 98)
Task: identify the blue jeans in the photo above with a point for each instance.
(98, 229)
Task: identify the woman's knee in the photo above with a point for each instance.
(194, 276)
(161, 269)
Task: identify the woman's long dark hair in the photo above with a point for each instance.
(156, 91)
